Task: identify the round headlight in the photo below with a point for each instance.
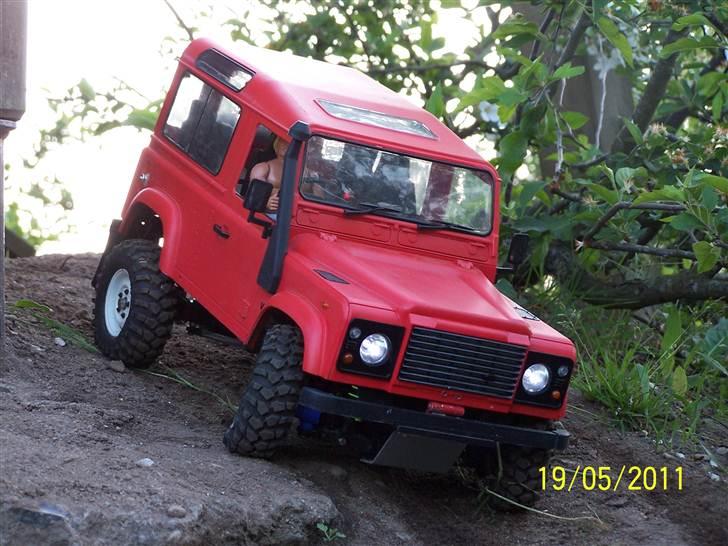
(374, 349)
(536, 379)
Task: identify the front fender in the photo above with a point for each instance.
(308, 319)
(169, 215)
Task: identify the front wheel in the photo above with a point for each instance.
(514, 472)
(135, 304)
(268, 406)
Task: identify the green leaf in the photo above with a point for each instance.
(436, 103)
(514, 26)
(679, 381)
(448, 4)
(529, 189)
(512, 151)
(617, 39)
(623, 176)
(610, 196)
(673, 331)
(707, 255)
(667, 193)
(684, 222)
(717, 107)
(30, 304)
(691, 20)
(87, 92)
(490, 89)
(633, 130)
(709, 83)
(505, 287)
(574, 119)
(142, 119)
(688, 44)
(567, 71)
(607, 171)
(720, 183)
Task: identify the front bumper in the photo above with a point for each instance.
(465, 431)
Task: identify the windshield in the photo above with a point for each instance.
(431, 194)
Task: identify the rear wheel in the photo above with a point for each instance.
(515, 475)
(268, 405)
(135, 304)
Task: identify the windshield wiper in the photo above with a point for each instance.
(372, 207)
(442, 224)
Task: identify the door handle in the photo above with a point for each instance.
(217, 228)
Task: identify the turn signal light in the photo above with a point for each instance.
(556, 395)
(348, 358)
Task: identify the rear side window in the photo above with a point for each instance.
(201, 122)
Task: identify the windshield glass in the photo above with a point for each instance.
(429, 193)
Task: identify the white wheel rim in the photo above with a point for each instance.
(118, 302)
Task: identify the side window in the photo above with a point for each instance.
(201, 122)
(261, 150)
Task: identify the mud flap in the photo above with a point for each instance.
(404, 449)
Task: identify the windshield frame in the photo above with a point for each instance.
(490, 179)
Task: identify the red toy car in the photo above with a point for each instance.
(367, 292)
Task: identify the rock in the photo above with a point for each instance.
(722, 450)
(175, 536)
(404, 537)
(679, 455)
(713, 476)
(117, 366)
(41, 525)
(146, 462)
(59, 341)
(176, 511)
(36, 349)
(700, 457)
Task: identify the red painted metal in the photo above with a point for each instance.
(395, 274)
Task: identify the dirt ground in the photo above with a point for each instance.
(90, 454)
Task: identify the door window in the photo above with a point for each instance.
(201, 122)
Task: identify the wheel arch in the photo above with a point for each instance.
(154, 215)
(289, 308)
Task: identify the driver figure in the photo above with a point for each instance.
(272, 171)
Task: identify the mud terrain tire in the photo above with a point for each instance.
(147, 298)
(268, 405)
(520, 479)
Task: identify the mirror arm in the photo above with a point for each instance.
(267, 225)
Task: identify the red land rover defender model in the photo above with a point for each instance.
(367, 292)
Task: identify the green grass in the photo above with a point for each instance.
(666, 377)
(43, 314)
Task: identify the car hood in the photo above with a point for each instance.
(433, 290)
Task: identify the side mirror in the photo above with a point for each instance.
(257, 195)
(518, 249)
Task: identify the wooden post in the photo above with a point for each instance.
(13, 30)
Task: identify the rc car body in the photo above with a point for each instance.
(367, 293)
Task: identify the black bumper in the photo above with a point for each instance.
(439, 426)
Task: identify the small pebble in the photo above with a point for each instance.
(722, 450)
(146, 462)
(35, 348)
(679, 455)
(713, 476)
(117, 366)
(176, 511)
(59, 341)
(175, 536)
(617, 502)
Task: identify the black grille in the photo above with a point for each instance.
(464, 363)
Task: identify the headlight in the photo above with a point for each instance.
(374, 349)
(536, 379)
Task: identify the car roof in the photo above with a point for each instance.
(287, 88)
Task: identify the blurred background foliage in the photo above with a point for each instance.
(608, 120)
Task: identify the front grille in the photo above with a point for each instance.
(463, 363)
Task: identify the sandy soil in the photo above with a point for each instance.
(75, 433)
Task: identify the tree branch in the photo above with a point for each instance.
(632, 294)
(181, 23)
(640, 249)
(651, 97)
(614, 209)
